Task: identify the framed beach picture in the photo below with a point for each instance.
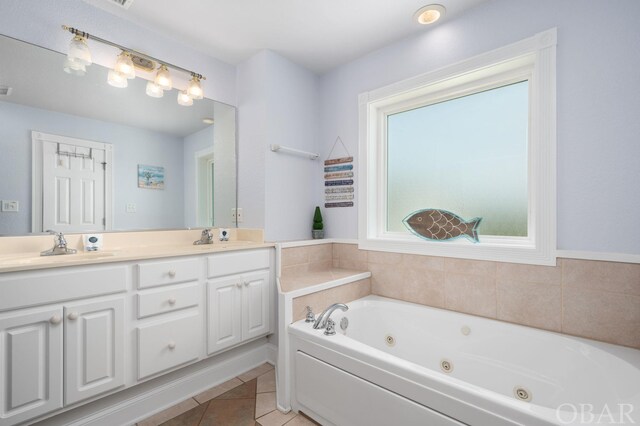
(150, 177)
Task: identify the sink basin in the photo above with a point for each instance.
(97, 254)
(32, 258)
(223, 244)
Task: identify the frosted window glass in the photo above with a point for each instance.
(467, 155)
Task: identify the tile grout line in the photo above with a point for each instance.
(204, 412)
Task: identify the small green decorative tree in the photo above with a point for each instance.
(318, 227)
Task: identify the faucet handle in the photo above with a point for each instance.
(310, 315)
(59, 238)
(331, 328)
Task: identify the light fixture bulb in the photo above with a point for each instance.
(429, 14)
(116, 79)
(195, 88)
(184, 99)
(154, 90)
(79, 51)
(74, 68)
(163, 78)
(124, 65)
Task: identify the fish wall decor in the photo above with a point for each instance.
(441, 225)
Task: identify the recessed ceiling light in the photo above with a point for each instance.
(429, 14)
(207, 120)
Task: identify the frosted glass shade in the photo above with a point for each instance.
(184, 99)
(163, 78)
(194, 90)
(154, 90)
(74, 68)
(116, 79)
(124, 65)
(79, 51)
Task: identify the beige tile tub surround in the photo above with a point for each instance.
(299, 260)
(321, 300)
(593, 299)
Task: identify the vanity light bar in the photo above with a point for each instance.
(88, 36)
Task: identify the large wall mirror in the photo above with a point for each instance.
(78, 155)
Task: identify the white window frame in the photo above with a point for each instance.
(532, 59)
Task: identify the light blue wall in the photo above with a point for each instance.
(598, 105)
(278, 104)
(132, 146)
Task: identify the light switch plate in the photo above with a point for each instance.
(10, 206)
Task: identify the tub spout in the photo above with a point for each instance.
(321, 321)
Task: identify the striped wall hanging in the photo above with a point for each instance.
(338, 179)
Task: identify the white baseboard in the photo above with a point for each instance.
(139, 402)
(272, 353)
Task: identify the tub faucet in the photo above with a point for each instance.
(59, 247)
(323, 318)
(205, 238)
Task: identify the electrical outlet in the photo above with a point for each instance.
(239, 215)
(233, 215)
(10, 206)
(131, 208)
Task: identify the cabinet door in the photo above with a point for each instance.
(94, 344)
(255, 305)
(224, 313)
(30, 364)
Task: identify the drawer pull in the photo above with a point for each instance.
(172, 274)
(246, 283)
(73, 316)
(172, 345)
(55, 319)
(238, 285)
(172, 301)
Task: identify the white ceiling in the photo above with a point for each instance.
(317, 34)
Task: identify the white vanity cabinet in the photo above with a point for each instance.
(94, 348)
(239, 302)
(54, 352)
(31, 364)
(169, 334)
(70, 335)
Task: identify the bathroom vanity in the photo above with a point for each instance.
(74, 328)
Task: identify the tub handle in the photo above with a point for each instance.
(310, 315)
(331, 328)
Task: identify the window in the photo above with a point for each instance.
(476, 139)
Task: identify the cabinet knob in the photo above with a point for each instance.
(172, 274)
(172, 301)
(172, 345)
(55, 319)
(73, 316)
(238, 285)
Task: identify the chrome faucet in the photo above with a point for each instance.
(323, 319)
(205, 238)
(59, 247)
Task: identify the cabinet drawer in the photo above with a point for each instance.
(168, 344)
(153, 302)
(237, 262)
(153, 274)
(22, 289)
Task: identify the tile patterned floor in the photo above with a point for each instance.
(249, 399)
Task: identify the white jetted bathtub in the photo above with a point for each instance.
(403, 364)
